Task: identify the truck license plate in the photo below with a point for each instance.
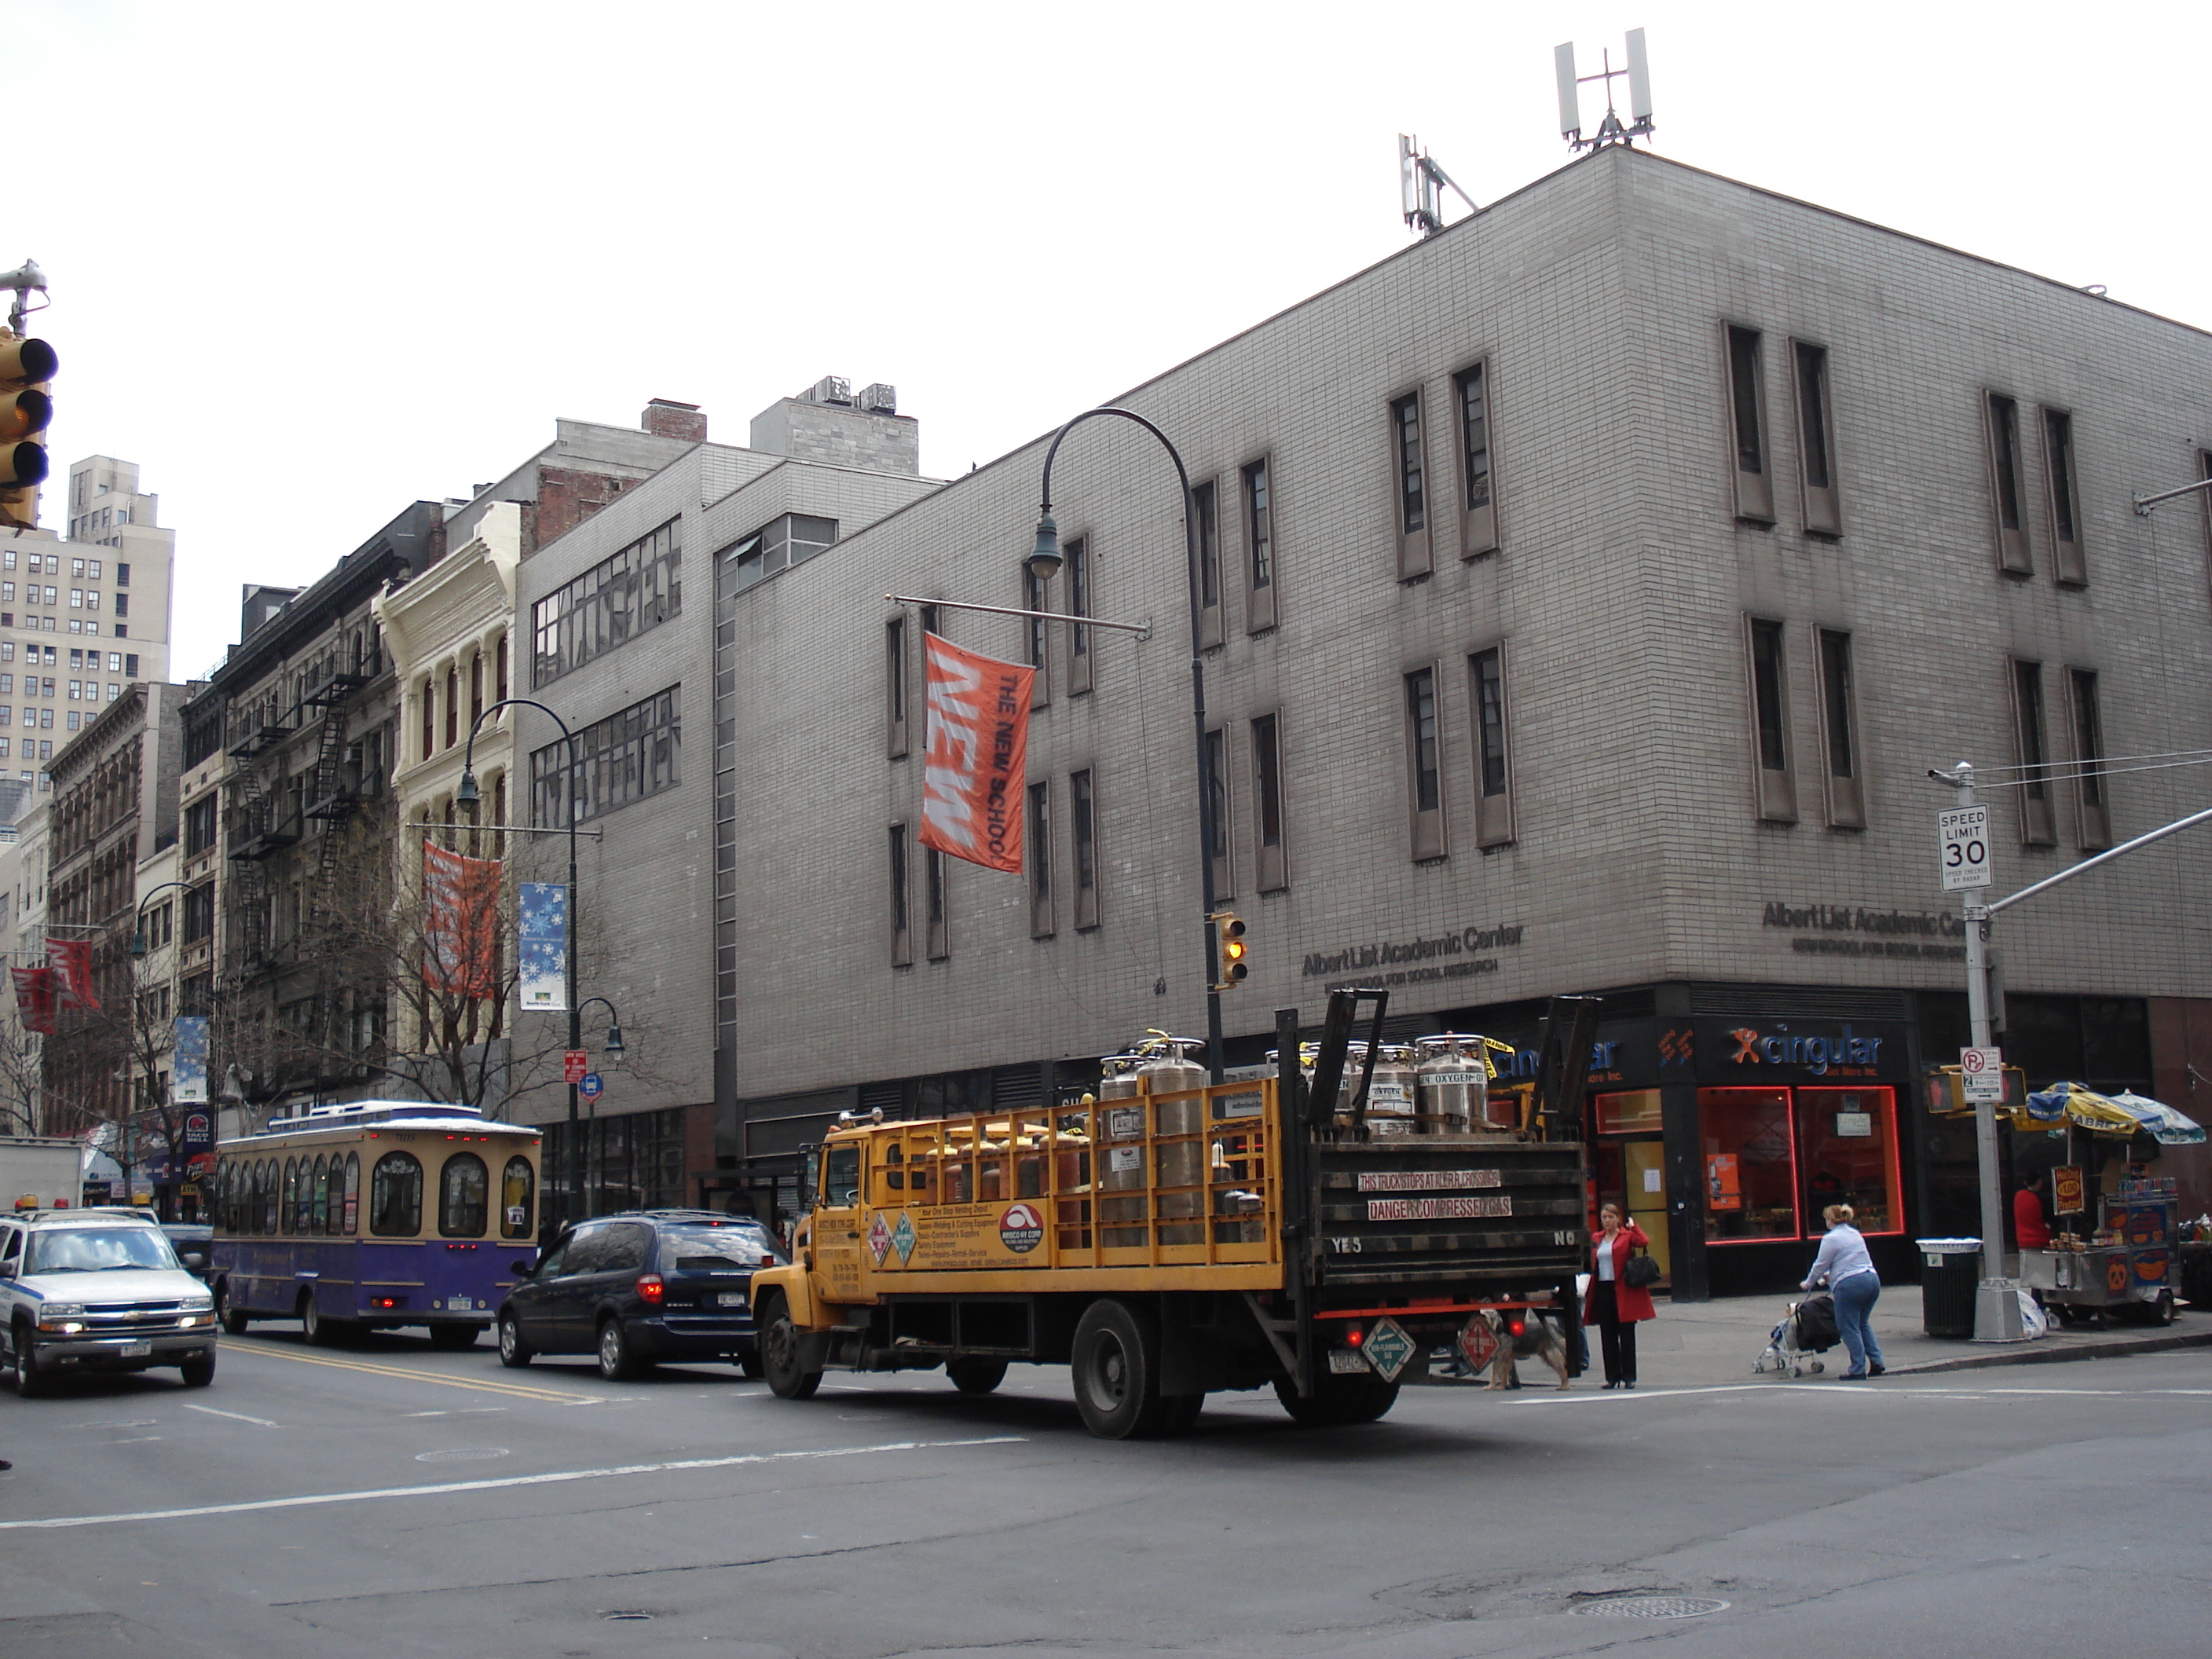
(459, 1304)
(134, 1350)
(732, 1298)
(1346, 1360)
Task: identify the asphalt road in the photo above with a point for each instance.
(387, 1500)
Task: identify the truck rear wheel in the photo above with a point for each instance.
(1338, 1400)
(778, 1351)
(1116, 1365)
(971, 1375)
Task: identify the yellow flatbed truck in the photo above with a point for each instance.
(1170, 1244)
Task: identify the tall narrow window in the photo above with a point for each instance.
(940, 925)
(1478, 512)
(1777, 792)
(2089, 758)
(453, 706)
(2032, 736)
(475, 687)
(1423, 776)
(1076, 557)
(1259, 548)
(901, 935)
(429, 719)
(2065, 498)
(1043, 922)
(1755, 489)
(1270, 855)
(1412, 486)
(1494, 792)
(894, 685)
(1205, 524)
(1217, 793)
(2006, 486)
(1036, 637)
(1816, 451)
(1839, 731)
(1082, 832)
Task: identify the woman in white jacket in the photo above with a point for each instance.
(1849, 1270)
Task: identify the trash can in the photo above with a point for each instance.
(1950, 1269)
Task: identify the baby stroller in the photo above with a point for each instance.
(1807, 1328)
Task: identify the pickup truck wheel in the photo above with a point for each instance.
(30, 1381)
(199, 1373)
(1338, 1401)
(1116, 1366)
(778, 1351)
(975, 1375)
(233, 1321)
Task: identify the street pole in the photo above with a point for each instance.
(1996, 1299)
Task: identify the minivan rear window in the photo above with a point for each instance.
(715, 1250)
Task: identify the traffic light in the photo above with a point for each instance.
(1229, 934)
(26, 412)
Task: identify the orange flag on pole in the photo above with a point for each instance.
(976, 756)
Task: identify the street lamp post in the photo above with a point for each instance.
(467, 794)
(1044, 561)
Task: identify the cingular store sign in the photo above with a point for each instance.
(1753, 1051)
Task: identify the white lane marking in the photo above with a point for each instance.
(134, 1440)
(466, 1411)
(235, 1417)
(124, 1422)
(557, 1478)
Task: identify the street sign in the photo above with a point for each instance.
(574, 1062)
(1981, 1075)
(589, 1085)
(1963, 838)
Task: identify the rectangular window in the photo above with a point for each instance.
(2091, 795)
(123, 575)
(1494, 805)
(1751, 1164)
(92, 568)
(122, 605)
(1216, 792)
(1424, 774)
(902, 937)
(1043, 922)
(791, 539)
(622, 759)
(2008, 485)
(1083, 833)
(935, 912)
(200, 827)
(131, 664)
(1076, 559)
(1478, 511)
(1205, 524)
(1777, 792)
(199, 912)
(1754, 489)
(1259, 548)
(1036, 593)
(2032, 736)
(622, 596)
(895, 685)
(1271, 856)
(1816, 449)
(1412, 473)
(2065, 499)
(1839, 731)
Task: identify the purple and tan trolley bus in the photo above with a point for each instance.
(380, 1213)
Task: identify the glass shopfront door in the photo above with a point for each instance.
(1631, 1165)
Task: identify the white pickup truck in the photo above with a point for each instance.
(85, 1291)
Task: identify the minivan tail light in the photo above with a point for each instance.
(650, 1288)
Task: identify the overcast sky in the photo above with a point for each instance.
(310, 263)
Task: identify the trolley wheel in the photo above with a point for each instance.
(233, 1321)
(972, 1376)
(1338, 1400)
(513, 1353)
(778, 1351)
(322, 1331)
(1115, 1364)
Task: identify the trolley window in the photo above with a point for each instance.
(463, 1192)
(395, 1196)
(352, 1193)
(318, 1220)
(518, 1196)
(270, 1195)
(288, 1215)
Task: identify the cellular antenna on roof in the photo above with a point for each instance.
(1609, 130)
(1421, 184)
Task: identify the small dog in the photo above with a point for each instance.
(1524, 1335)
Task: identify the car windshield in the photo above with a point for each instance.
(98, 1249)
(704, 1249)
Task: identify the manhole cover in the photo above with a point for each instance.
(1651, 1607)
(462, 1455)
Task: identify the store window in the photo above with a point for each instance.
(1636, 1112)
(1847, 1147)
(1751, 1164)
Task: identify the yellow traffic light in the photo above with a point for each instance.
(1229, 932)
(26, 411)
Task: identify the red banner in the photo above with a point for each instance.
(976, 756)
(460, 923)
(71, 959)
(35, 998)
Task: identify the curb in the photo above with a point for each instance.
(2034, 1353)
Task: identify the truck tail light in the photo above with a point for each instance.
(650, 1290)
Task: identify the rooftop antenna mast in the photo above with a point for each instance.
(1611, 130)
(1421, 184)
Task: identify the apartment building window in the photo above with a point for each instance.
(1839, 731)
(901, 938)
(1816, 443)
(1412, 486)
(624, 595)
(1478, 512)
(1271, 859)
(123, 575)
(1776, 791)
(1493, 775)
(1205, 522)
(1043, 922)
(939, 944)
(1037, 635)
(625, 757)
(476, 689)
(1424, 771)
(2006, 484)
(199, 917)
(895, 686)
(1259, 547)
(1076, 560)
(453, 707)
(2065, 499)
(791, 539)
(2032, 738)
(1217, 792)
(1754, 489)
(1083, 835)
(2091, 795)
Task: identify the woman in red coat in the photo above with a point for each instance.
(1615, 1306)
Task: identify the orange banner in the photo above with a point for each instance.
(460, 923)
(976, 756)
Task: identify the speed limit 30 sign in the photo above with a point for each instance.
(1963, 835)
